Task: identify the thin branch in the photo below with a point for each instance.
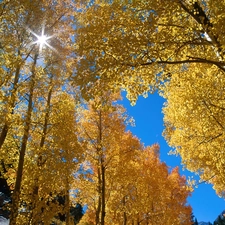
(196, 60)
(213, 115)
(195, 15)
(209, 140)
(216, 106)
(90, 138)
(219, 64)
(192, 42)
(171, 25)
(56, 21)
(204, 181)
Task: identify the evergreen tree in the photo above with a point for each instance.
(194, 220)
(219, 221)
(5, 197)
(77, 213)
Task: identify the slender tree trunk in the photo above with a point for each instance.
(97, 216)
(99, 152)
(12, 101)
(103, 192)
(17, 190)
(124, 218)
(67, 196)
(138, 220)
(3, 134)
(67, 201)
(102, 171)
(124, 213)
(40, 161)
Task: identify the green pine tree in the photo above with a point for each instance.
(219, 221)
(194, 220)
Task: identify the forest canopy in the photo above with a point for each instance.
(175, 48)
(59, 117)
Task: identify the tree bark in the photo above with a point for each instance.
(17, 190)
(67, 201)
(102, 170)
(103, 192)
(40, 161)
(124, 213)
(97, 215)
(12, 101)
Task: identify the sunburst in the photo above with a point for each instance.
(42, 40)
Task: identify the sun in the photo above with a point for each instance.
(42, 40)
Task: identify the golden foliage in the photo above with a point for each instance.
(176, 47)
(125, 177)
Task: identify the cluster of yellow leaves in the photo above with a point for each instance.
(136, 39)
(194, 121)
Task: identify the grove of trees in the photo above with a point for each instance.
(125, 182)
(63, 138)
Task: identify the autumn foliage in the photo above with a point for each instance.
(62, 135)
(177, 48)
(124, 182)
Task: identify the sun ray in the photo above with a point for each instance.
(42, 39)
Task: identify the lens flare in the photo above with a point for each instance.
(41, 40)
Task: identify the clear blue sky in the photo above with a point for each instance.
(148, 117)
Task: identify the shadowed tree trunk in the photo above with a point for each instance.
(12, 100)
(103, 192)
(124, 213)
(102, 170)
(41, 161)
(97, 216)
(67, 201)
(17, 190)
(11, 106)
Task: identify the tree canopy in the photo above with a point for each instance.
(124, 182)
(175, 47)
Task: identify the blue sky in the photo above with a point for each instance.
(148, 128)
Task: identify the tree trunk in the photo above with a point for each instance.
(97, 216)
(138, 220)
(100, 207)
(102, 170)
(12, 101)
(67, 203)
(16, 193)
(124, 213)
(103, 192)
(40, 161)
